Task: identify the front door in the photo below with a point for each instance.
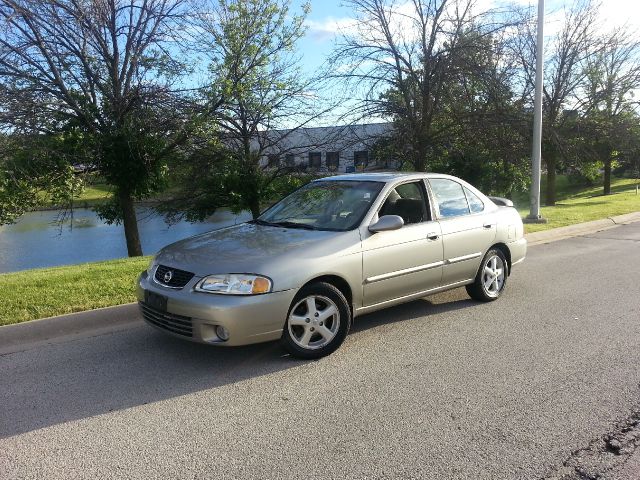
(405, 261)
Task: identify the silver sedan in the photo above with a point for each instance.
(337, 248)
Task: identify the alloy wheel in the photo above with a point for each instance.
(313, 322)
(493, 275)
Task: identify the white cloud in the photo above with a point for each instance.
(327, 28)
(616, 13)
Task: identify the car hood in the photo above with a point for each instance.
(252, 248)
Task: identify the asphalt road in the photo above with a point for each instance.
(439, 388)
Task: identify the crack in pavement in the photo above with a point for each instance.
(604, 457)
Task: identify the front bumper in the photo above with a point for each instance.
(194, 316)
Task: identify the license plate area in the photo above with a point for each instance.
(154, 300)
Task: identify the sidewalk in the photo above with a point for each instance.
(569, 231)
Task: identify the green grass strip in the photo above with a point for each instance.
(46, 292)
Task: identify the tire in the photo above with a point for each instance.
(491, 278)
(318, 321)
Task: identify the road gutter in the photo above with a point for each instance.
(27, 335)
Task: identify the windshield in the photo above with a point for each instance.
(326, 205)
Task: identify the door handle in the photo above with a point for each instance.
(432, 236)
(487, 225)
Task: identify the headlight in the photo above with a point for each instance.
(234, 284)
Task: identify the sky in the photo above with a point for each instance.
(328, 16)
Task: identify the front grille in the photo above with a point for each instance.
(167, 321)
(179, 278)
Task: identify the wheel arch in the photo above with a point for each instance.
(338, 282)
(506, 252)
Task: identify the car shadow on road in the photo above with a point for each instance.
(424, 307)
(83, 378)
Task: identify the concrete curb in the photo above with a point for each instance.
(22, 336)
(561, 233)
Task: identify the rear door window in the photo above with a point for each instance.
(475, 204)
(450, 197)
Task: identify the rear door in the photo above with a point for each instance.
(467, 230)
(405, 261)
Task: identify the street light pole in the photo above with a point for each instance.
(536, 153)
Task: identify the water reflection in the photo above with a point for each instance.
(38, 241)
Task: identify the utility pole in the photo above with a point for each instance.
(536, 152)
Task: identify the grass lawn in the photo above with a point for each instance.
(585, 204)
(93, 195)
(46, 292)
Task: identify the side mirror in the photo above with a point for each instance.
(386, 223)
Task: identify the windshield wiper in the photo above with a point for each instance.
(285, 224)
(257, 221)
(294, 225)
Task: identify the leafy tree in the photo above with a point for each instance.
(212, 177)
(250, 47)
(612, 77)
(489, 145)
(29, 167)
(104, 69)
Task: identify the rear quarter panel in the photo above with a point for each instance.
(510, 231)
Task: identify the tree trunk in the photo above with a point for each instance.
(607, 175)
(419, 145)
(550, 192)
(254, 205)
(130, 222)
(420, 159)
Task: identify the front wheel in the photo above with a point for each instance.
(318, 321)
(491, 277)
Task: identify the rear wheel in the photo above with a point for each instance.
(318, 321)
(491, 277)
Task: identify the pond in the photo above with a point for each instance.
(38, 240)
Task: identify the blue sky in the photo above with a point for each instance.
(316, 45)
(327, 15)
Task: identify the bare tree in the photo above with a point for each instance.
(105, 69)
(407, 60)
(565, 72)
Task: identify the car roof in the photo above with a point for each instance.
(384, 177)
